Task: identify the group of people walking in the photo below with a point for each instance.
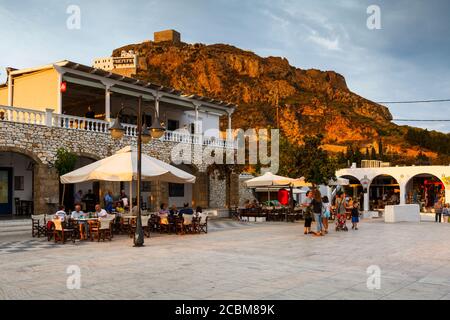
(319, 208)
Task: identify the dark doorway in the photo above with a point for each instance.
(6, 191)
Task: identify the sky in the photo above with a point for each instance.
(408, 58)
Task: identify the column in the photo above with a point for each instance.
(402, 194)
(366, 201)
(196, 125)
(108, 103)
(157, 97)
(59, 94)
(10, 90)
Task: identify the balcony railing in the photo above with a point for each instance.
(50, 119)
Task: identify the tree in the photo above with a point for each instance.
(373, 154)
(65, 163)
(422, 160)
(367, 154)
(308, 160)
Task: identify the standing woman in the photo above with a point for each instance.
(307, 212)
(326, 213)
(316, 204)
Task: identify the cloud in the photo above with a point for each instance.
(325, 42)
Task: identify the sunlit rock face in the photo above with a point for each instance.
(311, 100)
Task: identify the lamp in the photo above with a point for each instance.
(117, 130)
(144, 135)
(157, 130)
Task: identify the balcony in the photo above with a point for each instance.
(50, 119)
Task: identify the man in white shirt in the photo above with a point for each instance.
(60, 214)
(77, 214)
(101, 213)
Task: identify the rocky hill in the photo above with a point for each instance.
(311, 101)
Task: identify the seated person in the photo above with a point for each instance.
(173, 210)
(60, 214)
(255, 204)
(198, 211)
(78, 213)
(101, 213)
(119, 208)
(185, 210)
(163, 209)
(247, 204)
(134, 211)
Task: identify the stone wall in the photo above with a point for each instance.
(244, 192)
(41, 143)
(45, 189)
(217, 192)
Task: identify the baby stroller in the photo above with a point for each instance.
(341, 224)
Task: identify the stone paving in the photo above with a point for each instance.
(238, 261)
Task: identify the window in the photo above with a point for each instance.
(19, 183)
(173, 125)
(176, 190)
(146, 186)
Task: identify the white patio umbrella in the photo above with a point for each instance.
(268, 179)
(122, 166)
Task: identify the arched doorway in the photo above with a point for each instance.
(354, 190)
(384, 190)
(424, 189)
(17, 183)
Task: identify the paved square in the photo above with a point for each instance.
(237, 261)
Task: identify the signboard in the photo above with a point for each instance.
(123, 61)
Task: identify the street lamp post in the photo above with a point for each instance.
(143, 135)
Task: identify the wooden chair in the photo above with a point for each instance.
(50, 228)
(164, 226)
(38, 226)
(179, 225)
(145, 226)
(154, 223)
(203, 224)
(195, 224)
(61, 232)
(18, 206)
(187, 223)
(105, 228)
(94, 229)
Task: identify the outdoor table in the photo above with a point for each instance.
(87, 224)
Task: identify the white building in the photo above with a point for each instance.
(412, 183)
(127, 60)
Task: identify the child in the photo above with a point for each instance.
(355, 216)
(446, 212)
